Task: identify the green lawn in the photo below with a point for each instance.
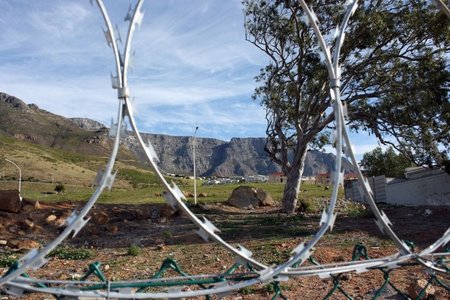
(149, 192)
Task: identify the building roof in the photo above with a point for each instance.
(277, 174)
(323, 175)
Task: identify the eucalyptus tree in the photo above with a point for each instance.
(394, 78)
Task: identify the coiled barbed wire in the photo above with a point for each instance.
(37, 258)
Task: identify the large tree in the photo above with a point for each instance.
(395, 78)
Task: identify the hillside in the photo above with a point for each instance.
(83, 137)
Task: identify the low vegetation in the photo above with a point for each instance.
(134, 250)
(71, 253)
(7, 259)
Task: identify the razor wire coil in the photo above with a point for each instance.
(16, 281)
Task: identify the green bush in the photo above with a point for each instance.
(134, 250)
(60, 188)
(70, 253)
(167, 234)
(7, 260)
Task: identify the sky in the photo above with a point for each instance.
(192, 66)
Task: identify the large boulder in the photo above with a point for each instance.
(10, 201)
(246, 197)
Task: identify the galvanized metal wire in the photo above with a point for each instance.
(220, 284)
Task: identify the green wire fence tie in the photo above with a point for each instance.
(15, 266)
(94, 268)
(278, 292)
(359, 251)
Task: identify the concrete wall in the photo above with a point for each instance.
(353, 190)
(433, 190)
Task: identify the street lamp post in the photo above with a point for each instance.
(20, 172)
(195, 177)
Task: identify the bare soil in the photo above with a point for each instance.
(267, 233)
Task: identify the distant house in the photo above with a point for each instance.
(350, 176)
(323, 178)
(308, 179)
(277, 177)
(256, 178)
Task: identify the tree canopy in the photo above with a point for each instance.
(394, 78)
(388, 163)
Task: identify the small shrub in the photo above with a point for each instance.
(307, 204)
(60, 188)
(167, 234)
(247, 290)
(357, 210)
(134, 250)
(70, 253)
(7, 260)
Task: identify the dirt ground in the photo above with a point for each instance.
(267, 233)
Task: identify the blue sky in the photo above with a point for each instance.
(192, 66)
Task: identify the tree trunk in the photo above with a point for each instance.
(292, 186)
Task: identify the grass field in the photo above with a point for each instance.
(44, 167)
(149, 192)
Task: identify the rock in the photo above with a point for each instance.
(244, 197)
(75, 276)
(13, 228)
(25, 244)
(38, 229)
(202, 195)
(60, 222)
(167, 211)
(113, 229)
(10, 201)
(100, 218)
(158, 241)
(28, 208)
(13, 243)
(188, 194)
(50, 219)
(160, 247)
(37, 205)
(265, 199)
(417, 286)
(29, 223)
(143, 214)
(3, 242)
(162, 220)
(346, 276)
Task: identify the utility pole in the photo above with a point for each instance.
(195, 177)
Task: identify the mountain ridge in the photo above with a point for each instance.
(239, 156)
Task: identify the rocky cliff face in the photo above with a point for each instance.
(87, 124)
(240, 156)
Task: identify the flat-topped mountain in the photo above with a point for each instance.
(239, 156)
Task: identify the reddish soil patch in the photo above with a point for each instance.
(268, 234)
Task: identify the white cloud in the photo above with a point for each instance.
(192, 65)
